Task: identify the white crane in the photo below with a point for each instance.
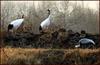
(14, 25)
(85, 41)
(46, 23)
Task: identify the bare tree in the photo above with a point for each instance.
(6, 13)
(62, 15)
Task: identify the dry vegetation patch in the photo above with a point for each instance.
(49, 56)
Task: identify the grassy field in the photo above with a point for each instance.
(49, 56)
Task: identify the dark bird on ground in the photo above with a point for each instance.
(85, 41)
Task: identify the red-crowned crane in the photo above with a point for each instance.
(46, 23)
(85, 42)
(14, 25)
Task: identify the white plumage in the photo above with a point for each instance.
(17, 23)
(84, 41)
(46, 23)
(77, 46)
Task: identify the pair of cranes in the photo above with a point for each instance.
(14, 25)
(44, 25)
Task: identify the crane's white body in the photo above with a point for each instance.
(85, 41)
(16, 23)
(46, 23)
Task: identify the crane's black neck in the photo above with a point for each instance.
(10, 26)
(48, 12)
(22, 16)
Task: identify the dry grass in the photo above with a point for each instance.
(34, 56)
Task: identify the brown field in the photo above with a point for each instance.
(49, 56)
